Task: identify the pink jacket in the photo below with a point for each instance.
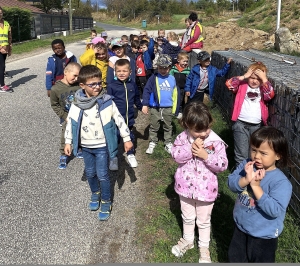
(240, 88)
(196, 178)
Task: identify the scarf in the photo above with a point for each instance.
(83, 102)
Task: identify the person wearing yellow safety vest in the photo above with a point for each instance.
(196, 40)
(5, 49)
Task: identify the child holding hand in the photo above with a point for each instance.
(200, 154)
(264, 193)
(253, 91)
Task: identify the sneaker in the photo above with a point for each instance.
(79, 155)
(95, 201)
(168, 147)
(113, 164)
(83, 178)
(179, 116)
(181, 247)
(61, 121)
(63, 162)
(105, 210)
(204, 255)
(151, 147)
(6, 88)
(132, 161)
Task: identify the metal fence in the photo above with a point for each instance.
(46, 23)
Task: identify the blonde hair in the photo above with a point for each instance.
(173, 36)
(258, 65)
(182, 55)
(143, 32)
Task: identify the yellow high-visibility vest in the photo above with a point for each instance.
(200, 39)
(4, 34)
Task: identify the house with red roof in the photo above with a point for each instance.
(23, 5)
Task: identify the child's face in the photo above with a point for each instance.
(183, 62)
(254, 81)
(203, 134)
(58, 49)
(159, 42)
(205, 63)
(144, 47)
(125, 41)
(161, 33)
(100, 53)
(264, 156)
(104, 37)
(92, 87)
(187, 23)
(119, 51)
(71, 76)
(93, 35)
(134, 50)
(155, 49)
(164, 71)
(122, 72)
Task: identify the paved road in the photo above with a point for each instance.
(44, 214)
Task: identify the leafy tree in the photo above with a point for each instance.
(46, 5)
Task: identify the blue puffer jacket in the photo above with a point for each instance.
(111, 72)
(193, 79)
(125, 95)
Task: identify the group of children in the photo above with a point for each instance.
(99, 112)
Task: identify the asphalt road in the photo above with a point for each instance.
(44, 211)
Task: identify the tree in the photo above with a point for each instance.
(46, 5)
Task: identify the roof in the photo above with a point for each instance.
(15, 3)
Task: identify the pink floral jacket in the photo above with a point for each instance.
(196, 178)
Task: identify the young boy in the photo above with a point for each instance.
(126, 95)
(161, 95)
(61, 97)
(56, 63)
(180, 71)
(88, 41)
(128, 51)
(91, 126)
(203, 78)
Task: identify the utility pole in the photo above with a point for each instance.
(70, 17)
(278, 14)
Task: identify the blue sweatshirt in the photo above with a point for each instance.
(261, 218)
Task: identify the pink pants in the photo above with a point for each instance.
(192, 209)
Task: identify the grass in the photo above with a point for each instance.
(162, 213)
(32, 45)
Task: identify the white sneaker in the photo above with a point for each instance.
(113, 164)
(181, 247)
(179, 115)
(151, 147)
(204, 255)
(132, 161)
(168, 147)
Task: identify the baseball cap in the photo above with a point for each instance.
(97, 40)
(103, 34)
(202, 56)
(164, 60)
(117, 42)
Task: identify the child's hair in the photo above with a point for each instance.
(258, 65)
(143, 32)
(161, 30)
(102, 46)
(57, 41)
(276, 140)
(144, 42)
(186, 20)
(71, 66)
(94, 31)
(122, 62)
(124, 37)
(135, 44)
(89, 72)
(196, 116)
(155, 45)
(134, 36)
(173, 36)
(182, 55)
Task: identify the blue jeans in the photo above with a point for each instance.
(96, 170)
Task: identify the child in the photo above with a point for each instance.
(161, 95)
(97, 56)
(264, 193)
(104, 35)
(180, 71)
(201, 154)
(90, 125)
(161, 33)
(108, 43)
(89, 40)
(125, 40)
(135, 46)
(61, 98)
(126, 95)
(186, 35)
(171, 46)
(56, 63)
(156, 55)
(203, 78)
(252, 90)
(143, 35)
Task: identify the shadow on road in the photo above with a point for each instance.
(23, 80)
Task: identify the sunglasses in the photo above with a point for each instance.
(94, 85)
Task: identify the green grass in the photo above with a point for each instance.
(164, 224)
(32, 45)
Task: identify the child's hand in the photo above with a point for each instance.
(248, 73)
(68, 149)
(229, 60)
(250, 174)
(187, 93)
(145, 110)
(198, 149)
(259, 175)
(261, 74)
(127, 146)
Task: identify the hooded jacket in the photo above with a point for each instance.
(172, 50)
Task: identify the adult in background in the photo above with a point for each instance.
(195, 41)
(5, 49)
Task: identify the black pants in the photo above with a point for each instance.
(199, 96)
(2, 68)
(246, 248)
(141, 82)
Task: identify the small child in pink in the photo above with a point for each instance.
(200, 154)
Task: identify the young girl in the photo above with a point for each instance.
(97, 56)
(264, 193)
(252, 90)
(201, 154)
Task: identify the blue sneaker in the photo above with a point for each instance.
(63, 160)
(95, 201)
(105, 210)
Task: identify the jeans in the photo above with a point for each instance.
(241, 134)
(96, 170)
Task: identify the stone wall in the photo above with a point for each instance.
(284, 109)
